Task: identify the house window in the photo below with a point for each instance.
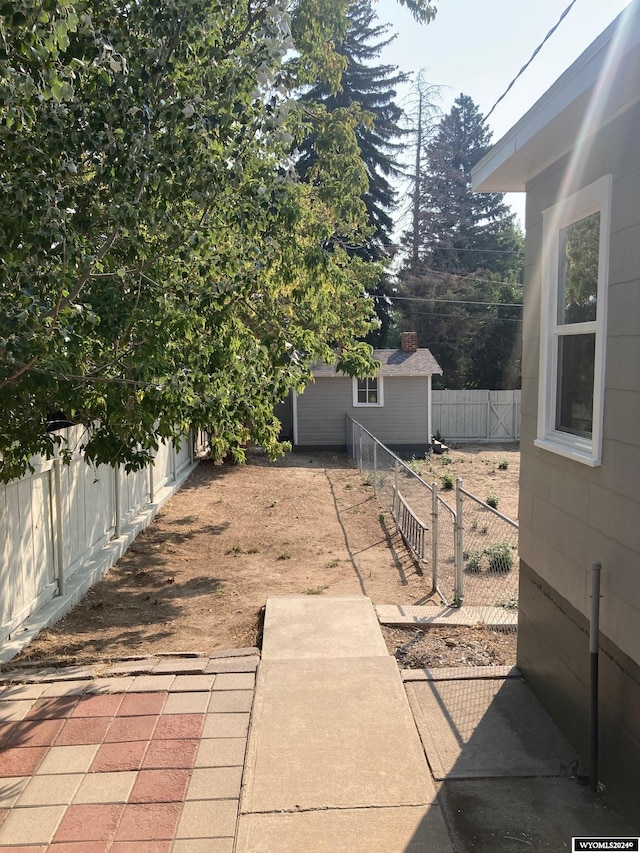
(368, 392)
(573, 323)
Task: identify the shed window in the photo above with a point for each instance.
(572, 335)
(367, 392)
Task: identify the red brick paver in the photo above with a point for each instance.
(89, 822)
(160, 786)
(146, 764)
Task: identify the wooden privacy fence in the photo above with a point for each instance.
(55, 520)
(476, 415)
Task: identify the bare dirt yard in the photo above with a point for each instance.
(197, 579)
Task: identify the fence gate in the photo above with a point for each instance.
(476, 415)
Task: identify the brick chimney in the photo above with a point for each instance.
(409, 342)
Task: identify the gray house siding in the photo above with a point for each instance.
(401, 423)
(572, 514)
(321, 413)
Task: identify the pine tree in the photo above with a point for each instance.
(379, 136)
(371, 86)
(465, 255)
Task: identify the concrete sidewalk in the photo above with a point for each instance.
(323, 752)
(334, 762)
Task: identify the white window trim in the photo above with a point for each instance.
(377, 405)
(594, 198)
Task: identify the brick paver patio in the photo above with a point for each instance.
(147, 757)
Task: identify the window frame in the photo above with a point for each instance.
(380, 391)
(594, 198)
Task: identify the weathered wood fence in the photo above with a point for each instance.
(61, 519)
(476, 416)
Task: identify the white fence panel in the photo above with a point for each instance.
(27, 571)
(164, 465)
(85, 505)
(134, 492)
(184, 454)
(477, 416)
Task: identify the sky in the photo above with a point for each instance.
(477, 47)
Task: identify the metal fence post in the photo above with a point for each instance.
(434, 535)
(459, 546)
(375, 466)
(360, 451)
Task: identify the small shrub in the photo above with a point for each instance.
(415, 465)
(316, 590)
(447, 481)
(503, 464)
(496, 558)
(474, 560)
(332, 564)
(500, 556)
(445, 459)
(284, 556)
(492, 501)
(509, 602)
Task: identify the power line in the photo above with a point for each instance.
(531, 58)
(475, 318)
(477, 276)
(451, 301)
(436, 248)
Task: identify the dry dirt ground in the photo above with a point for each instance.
(198, 577)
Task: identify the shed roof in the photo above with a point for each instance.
(600, 85)
(393, 362)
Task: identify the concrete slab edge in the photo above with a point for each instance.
(462, 673)
(429, 745)
(95, 567)
(398, 616)
(124, 668)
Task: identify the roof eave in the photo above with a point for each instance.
(550, 128)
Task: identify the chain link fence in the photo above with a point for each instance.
(471, 551)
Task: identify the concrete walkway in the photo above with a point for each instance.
(334, 762)
(322, 752)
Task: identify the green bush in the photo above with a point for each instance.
(503, 464)
(496, 558)
(447, 481)
(474, 561)
(492, 500)
(500, 556)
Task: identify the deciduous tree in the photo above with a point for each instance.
(161, 267)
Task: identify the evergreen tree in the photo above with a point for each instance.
(372, 87)
(465, 257)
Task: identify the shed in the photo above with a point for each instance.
(576, 155)
(394, 405)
